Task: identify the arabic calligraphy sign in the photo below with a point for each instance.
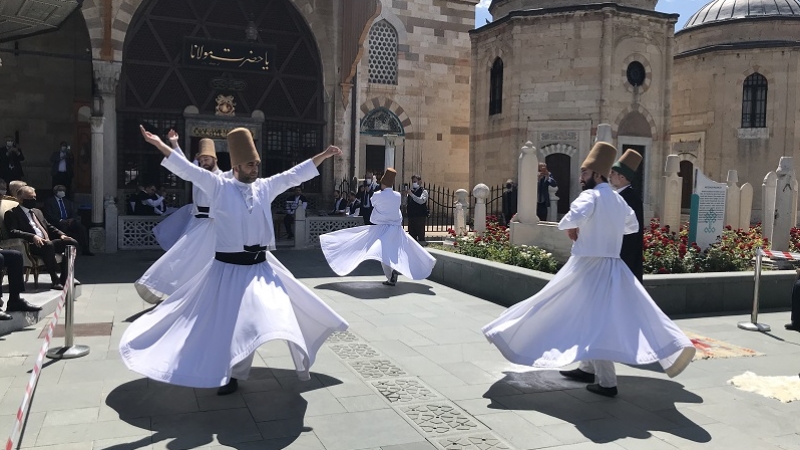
(245, 56)
(217, 132)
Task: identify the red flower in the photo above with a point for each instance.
(663, 270)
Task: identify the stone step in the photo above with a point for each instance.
(43, 296)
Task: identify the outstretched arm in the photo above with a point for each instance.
(299, 173)
(177, 163)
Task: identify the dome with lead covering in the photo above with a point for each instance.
(723, 10)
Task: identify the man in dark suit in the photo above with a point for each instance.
(11, 158)
(339, 203)
(353, 205)
(370, 186)
(62, 167)
(622, 173)
(26, 222)
(546, 180)
(59, 211)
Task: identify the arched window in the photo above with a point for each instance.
(496, 89)
(754, 102)
(383, 53)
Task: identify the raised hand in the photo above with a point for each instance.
(173, 138)
(156, 141)
(332, 150)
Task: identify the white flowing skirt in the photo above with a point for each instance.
(169, 231)
(594, 308)
(389, 244)
(221, 317)
(188, 257)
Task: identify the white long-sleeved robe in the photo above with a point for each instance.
(223, 314)
(188, 254)
(594, 308)
(385, 241)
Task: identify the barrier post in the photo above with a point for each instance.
(69, 351)
(753, 325)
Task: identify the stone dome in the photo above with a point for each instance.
(723, 10)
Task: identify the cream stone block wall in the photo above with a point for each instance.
(707, 97)
(432, 96)
(569, 67)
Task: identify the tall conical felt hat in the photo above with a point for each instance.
(241, 147)
(600, 158)
(207, 148)
(628, 164)
(388, 177)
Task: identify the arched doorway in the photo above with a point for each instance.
(635, 132)
(559, 164)
(380, 152)
(258, 54)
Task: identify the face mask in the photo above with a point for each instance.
(29, 203)
(9, 143)
(60, 194)
(414, 185)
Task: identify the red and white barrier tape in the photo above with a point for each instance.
(37, 368)
(772, 254)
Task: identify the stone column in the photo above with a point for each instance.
(481, 193)
(111, 225)
(106, 76)
(97, 238)
(461, 212)
(732, 200)
(785, 205)
(524, 227)
(300, 228)
(673, 185)
(768, 206)
(552, 212)
(745, 206)
(389, 155)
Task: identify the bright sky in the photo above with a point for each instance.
(683, 7)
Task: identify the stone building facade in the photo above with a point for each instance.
(332, 72)
(734, 100)
(560, 69)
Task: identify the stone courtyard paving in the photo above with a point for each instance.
(412, 373)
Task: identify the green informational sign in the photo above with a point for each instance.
(693, 218)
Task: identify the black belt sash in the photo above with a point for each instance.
(252, 254)
(202, 212)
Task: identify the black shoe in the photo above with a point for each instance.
(792, 326)
(604, 391)
(389, 283)
(5, 316)
(229, 388)
(578, 375)
(57, 287)
(22, 305)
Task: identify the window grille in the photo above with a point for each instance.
(383, 53)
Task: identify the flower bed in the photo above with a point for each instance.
(494, 245)
(667, 251)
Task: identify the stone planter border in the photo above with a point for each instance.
(676, 295)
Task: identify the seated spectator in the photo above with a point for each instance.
(11, 261)
(14, 186)
(26, 222)
(295, 201)
(60, 211)
(353, 205)
(339, 203)
(147, 202)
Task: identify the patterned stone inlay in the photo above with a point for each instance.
(404, 391)
(439, 419)
(354, 351)
(342, 336)
(377, 368)
(482, 442)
